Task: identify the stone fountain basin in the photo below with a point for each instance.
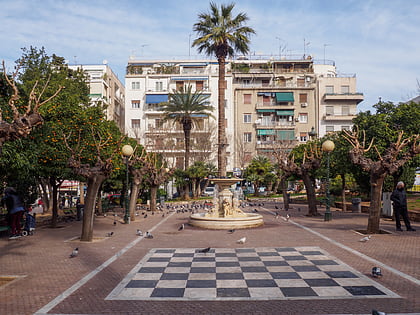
(249, 220)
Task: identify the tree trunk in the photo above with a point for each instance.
(133, 200)
(187, 133)
(221, 137)
(310, 195)
(376, 183)
(343, 191)
(284, 192)
(54, 197)
(93, 185)
(153, 196)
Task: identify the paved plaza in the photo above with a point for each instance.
(300, 265)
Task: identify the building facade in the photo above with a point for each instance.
(148, 83)
(105, 87)
(269, 104)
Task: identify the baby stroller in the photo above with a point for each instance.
(29, 227)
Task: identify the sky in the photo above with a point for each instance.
(377, 40)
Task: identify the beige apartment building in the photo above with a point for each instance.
(107, 88)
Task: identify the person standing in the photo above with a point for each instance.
(399, 199)
(15, 210)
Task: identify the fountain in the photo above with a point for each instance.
(225, 213)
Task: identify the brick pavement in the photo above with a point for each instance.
(46, 272)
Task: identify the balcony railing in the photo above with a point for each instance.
(343, 96)
(337, 117)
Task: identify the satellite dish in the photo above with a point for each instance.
(104, 61)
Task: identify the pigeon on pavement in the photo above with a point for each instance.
(109, 234)
(139, 233)
(205, 250)
(241, 240)
(375, 312)
(181, 227)
(74, 253)
(231, 231)
(365, 239)
(149, 235)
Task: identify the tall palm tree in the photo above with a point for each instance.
(221, 34)
(187, 108)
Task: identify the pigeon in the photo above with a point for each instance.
(287, 217)
(74, 253)
(205, 250)
(276, 207)
(109, 234)
(365, 239)
(181, 227)
(376, 272)
(276, 215)
(145, 216)
(375, 312)
(115, 222)
(241, 240)
(139, 233)
(149, 235)
(163, 215)
(255, 210)
(231, 231)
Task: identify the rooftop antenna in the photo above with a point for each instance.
(325, 45)
(304, 47)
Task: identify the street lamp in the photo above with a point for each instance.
(127, 151)
(328, 146)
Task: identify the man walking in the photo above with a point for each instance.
(399, 198)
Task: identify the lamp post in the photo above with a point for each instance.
(328, 146)
(127, 151)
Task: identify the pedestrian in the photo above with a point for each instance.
(399, 199)
(15, 211)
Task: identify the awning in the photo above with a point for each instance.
(286, 134)
(265, 94)
(266, 110)
(156, 98)
(189, 78)
(265, 132)
(284, 97)
(285, 112)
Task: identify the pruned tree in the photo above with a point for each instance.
(388, 162)
(95, 168)
(302, 162)
(22, 122)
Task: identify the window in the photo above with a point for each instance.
(329, 89)
(247, 137)
(303, 98)
(135, 85)
(329, 128)
(329, 110)
(303, 118)
(135, 123)
(301, 82)
(179, 85)
(246, 82)
(199, 85)
(266, 100)
(135, 104)
(247, 118)
(247, 98)
(158, 123)
(345, 127)
(303, 137)
(159, 86)
(345, 89)
(345, 110)
(265, 82)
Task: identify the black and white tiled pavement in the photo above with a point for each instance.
(245, 274)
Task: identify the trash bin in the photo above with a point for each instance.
(80, 208)
(356, 205)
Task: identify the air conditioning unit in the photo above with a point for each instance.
(304, 104)
(297, 119)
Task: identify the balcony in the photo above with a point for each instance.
(357, 97)
(329, 117)
(275, 125)
(273, 144)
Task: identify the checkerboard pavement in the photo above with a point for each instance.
(244, 274)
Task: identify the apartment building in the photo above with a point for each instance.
(148, 83)
(269, 104)
(338, 99)
(105, 87)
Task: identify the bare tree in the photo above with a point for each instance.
(394, 157)
(22, 123)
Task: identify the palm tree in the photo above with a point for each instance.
(221, 34)
(187, 108)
